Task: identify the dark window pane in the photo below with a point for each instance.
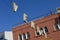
(37, 32)
(24, 36)
(41, 28)
(46, 30)
(56, 26)
(20, 36)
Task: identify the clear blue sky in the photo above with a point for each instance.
(33, 8)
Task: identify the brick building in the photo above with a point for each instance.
(6, 35)
(47, 28)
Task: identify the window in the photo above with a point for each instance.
(42, 32)
(57, 24)
(28, 35)
(24, 36)
(20, 37)
(41, 28)
(46, 30)
(37, 32)
(2, 37)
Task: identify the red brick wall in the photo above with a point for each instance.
(46, 21)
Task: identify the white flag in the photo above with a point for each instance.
(15, 7)
(58, 10)
(25, 17)
(32, 24)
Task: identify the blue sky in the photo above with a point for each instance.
(33, 8)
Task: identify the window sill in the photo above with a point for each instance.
(56, 30)
(27, 39)
(40, 35)
(37, 36)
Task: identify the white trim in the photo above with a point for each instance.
(22, 37)
(54, 27)
(39, 32)
(18, 37)
(45, 33)
(26, 36)
(58, 26)
(35, 33)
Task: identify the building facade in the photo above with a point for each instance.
(47, 28)
(7, 35)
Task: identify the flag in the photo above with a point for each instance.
(58, 10)
(15, 7)
(25, 17)
(32, 24)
